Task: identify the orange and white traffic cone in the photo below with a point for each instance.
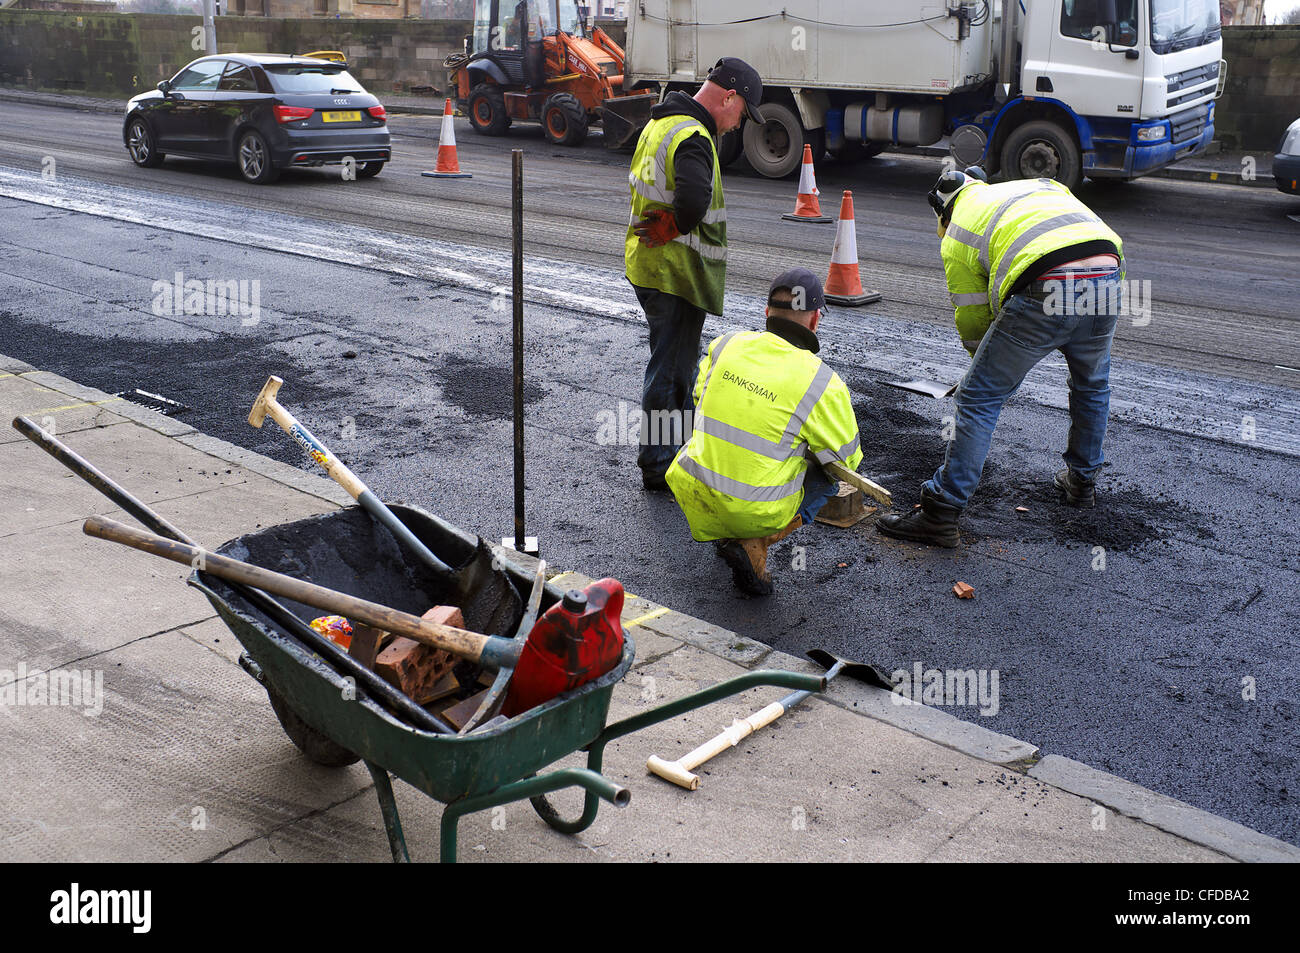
(806, 206)
(844, 283)
(448, 167)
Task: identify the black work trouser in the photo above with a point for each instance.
(675, 328)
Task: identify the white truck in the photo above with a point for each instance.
(1057, 88)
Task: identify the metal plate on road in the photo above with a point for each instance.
(350, 115)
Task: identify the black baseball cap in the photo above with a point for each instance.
(732, 73)
(798, 281)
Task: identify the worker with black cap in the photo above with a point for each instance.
(769, 415)
(675, 249)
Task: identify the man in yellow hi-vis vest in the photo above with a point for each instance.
(675, 249)
(768, 412)
(1030, 270)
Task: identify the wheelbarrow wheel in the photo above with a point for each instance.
(316, 746)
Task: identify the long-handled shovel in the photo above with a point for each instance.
(679, 771)
(378, 689)
(267, 406)
(492, 651)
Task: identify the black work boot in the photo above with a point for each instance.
(1075, 490)
(934, 524)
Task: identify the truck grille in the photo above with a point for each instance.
(1193, 77)
(1188, 124)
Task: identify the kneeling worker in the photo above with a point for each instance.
(765, 403)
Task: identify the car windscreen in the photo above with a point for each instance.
(299, 78)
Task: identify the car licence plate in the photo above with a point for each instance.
(348, 116)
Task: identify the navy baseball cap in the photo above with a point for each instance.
(732, 73)
(802, 284)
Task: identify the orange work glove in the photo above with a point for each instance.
(657, 228)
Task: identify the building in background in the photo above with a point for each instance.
(65, 6)
(1241, 12)
(346, 9)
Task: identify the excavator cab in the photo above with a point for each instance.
(533, 61)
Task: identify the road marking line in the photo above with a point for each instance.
(88, 403)
(662, 610)
(567, 572)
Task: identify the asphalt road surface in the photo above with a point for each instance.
(1153, 637)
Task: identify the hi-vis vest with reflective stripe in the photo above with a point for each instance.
(761, 403)
(692, 266)
(996, 232)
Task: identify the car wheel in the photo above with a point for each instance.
(368, 170)
(1042, 150)
(564, 120)
(254, 158)
(140, 144)
(487, 110)
(775, 147)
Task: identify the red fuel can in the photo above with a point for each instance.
(575, 641)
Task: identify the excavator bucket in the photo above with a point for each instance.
(623, 118)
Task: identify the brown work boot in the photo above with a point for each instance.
(748, 559)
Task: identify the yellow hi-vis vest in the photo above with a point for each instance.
(761, 404)
(692, 266)
(996, 232)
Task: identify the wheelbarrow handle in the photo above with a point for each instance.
(492, 651)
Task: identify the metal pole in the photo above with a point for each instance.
(209, 27)
(517, 236)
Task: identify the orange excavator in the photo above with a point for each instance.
(532, 61)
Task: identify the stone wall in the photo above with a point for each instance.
(122, 54)
(1262, 96)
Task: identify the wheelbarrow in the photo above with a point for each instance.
(499, 763)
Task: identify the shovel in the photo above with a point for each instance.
(928, 388)
(267, 406)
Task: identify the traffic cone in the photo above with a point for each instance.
(448, 167)
(844, 283)
(806, 206)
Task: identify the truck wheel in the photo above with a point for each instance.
(775, 147)
(487, 110)
(564, 119)
(1042, 149)
(730, 147)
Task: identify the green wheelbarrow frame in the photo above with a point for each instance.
(485, 768)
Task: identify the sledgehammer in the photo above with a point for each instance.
(679, 771)
(267, 406)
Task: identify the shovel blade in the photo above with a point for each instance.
(928, 388)
(857, 670)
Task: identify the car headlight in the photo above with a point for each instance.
(1291, 140)
(1152, 133)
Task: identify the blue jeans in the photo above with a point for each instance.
(817, 489)
(1081, 325)
(675, 328)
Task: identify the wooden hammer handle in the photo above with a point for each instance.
(336, 468)
(869, 487)
(488, 650)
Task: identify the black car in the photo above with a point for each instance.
(264, 112)
(1286, 164)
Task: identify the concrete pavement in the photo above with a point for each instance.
(186, 761)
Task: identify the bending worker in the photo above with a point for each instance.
(765, 404)
(676, 246)
(1034, 256)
